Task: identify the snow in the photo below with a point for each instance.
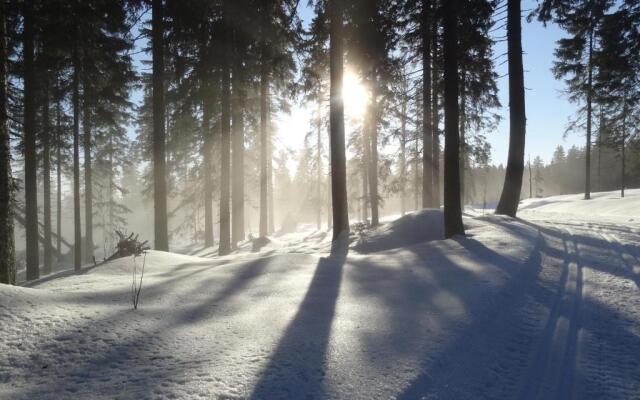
(543, 307)
(608, 204)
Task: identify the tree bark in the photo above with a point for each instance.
(7, 245)
(46, 167)
(58, 180)
(435, 117)
(264, 126)
(587, 182)
(427, 134)
(372, 131)
(88, 185)
(161, 233)
(452, 210)
(30, 159)
(207, 165)
(336, 116)
(237, 194)
(510, 197)
(403, 151)
(225, 149)
(319, 162)
(77, 245)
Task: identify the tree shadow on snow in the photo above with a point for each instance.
(297, 366)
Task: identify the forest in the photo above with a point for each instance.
(94, 136)
(277, 134)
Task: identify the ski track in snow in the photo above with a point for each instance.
(479, 318)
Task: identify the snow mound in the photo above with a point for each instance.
(420, 226)
(601, 204)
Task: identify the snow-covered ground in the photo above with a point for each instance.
(539, 308)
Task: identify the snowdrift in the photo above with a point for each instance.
(608, 204)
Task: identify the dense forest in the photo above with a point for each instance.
(158, 117)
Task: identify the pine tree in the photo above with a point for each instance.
(575, 58)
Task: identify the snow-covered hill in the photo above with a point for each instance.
(517, 309)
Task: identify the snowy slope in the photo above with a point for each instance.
(515, 310)
(608, 204)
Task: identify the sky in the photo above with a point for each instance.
(548, 110)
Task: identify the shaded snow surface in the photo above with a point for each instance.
(518, 309)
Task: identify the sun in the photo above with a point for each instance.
(355, 95)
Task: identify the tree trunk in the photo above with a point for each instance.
(264, 135)
(46, 172)
(225, 149)
(510, 197)
(435, 116)
(622, 156)
(337, 143)
(452, 210)
(30, 159)
(58, 180)
(319, 162)
(7, 245)
(372, 130)
(587, 182)
(77, 232)
(161, 234)
(365, 192)
(237, 194)
(427, 134)
(403, 151)
(207, 173)
(463, 135)
(88, 186)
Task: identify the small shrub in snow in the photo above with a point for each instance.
(136, 285)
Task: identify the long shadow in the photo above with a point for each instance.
(297, 366)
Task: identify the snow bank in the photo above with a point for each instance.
(601, 204)
(420, 226)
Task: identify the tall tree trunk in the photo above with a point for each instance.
(46, 172)
(237, 234)
(88, 184)
(403, 151)
(365, 192)
(463, 135)
(30, 159)
(319, 162)
(58, 180)
(336, 116)
(77, 232)
(435, 117)
(510, 197)
(587, 182)
(161, 233)
(225, 149)
(427, 134)
(622, 155)
(452, 210)
(373, 160)
(7, 245)
(271, 213)
(600, 131)
(207, 113)
(264, 126)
